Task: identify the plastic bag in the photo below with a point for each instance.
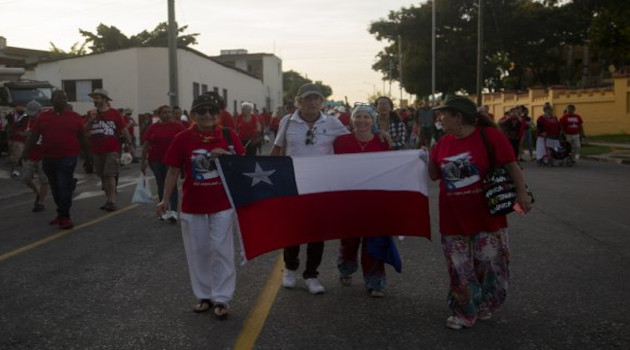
(143, 191)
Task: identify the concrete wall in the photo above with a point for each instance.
(272, 78)
(605, 110)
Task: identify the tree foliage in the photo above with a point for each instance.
(75, 50)
(292, 81)
(110, 38)
(525, 42)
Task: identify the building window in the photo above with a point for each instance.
(225, 96)
(216, 90)
(195, 90)
(204, 88)
(78, 90)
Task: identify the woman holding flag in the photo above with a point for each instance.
(362, 139)
(206, 216)
(474, 242)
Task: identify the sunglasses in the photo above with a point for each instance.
(204, 110)
(311, 137)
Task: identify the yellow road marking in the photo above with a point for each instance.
(64, 233)
(256, 319)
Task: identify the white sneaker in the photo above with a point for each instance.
(289, 279)
(314, 287)
(172, 216)
(166, 215)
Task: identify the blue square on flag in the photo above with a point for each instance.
(252, 178)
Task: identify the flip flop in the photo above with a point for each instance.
(203, 306)
(220, 311)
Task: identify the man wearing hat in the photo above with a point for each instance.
(306, 132)
(32, 163)
(104, 126)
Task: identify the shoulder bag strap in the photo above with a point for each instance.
(488, 148)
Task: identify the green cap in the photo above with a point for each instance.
(458, 103)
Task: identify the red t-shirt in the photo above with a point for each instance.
(462, 165)
(275, 123)
(265, 119)
(571, 123)
(203, 192)
(349, 144)
(59, 133)
(105, 131)
(246, 129)
(344, 118)
(160, 136)
(550, 125)
(226, 119)
(129, 121)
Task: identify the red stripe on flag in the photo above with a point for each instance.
(287, 221)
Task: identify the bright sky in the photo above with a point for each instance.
(325, 40)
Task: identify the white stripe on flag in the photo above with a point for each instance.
(389, 171)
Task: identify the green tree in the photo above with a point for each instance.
(75, 50)
(109, 38)
(292, 81)
(525, 42)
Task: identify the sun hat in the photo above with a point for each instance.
(101, 92)
(459, 103)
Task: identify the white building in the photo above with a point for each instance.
(138, 78)
(264, 66)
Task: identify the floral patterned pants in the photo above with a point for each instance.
(479, 272)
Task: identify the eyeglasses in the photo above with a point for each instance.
(204, 110)
(311, 136)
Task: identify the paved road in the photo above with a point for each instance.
(119, 281)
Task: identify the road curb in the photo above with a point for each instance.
(607, 159)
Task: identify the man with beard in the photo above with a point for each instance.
(104, 126)
(62, 135)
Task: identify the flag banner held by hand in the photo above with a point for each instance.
(284, 201)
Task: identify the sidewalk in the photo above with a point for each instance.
(620, 152)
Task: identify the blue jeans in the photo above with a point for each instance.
(160, 169)
(60, 172)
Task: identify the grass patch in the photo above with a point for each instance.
(610, 138)
(590, 150)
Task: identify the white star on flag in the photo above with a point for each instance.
(260, 175)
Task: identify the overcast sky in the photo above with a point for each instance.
(325, 40)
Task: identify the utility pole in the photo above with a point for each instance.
(433, 53)
(400, 72)
(173, 92)
(479, 52)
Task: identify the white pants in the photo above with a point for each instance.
(543, 145)
(209, 245)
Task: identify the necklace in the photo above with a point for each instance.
(363, 144)
(205, 138)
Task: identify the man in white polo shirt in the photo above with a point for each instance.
(306, 132)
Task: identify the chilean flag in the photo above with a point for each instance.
(285, 201)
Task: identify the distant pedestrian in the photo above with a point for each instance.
(32, 165)
(513, 128)
(572, 127)
(249, 129)
(105, 127)
(390, 122)
(424, 115)
(207, 217)
(18, 121)
(157, 139)
(548, 128)
(474, 242)
(63, 134)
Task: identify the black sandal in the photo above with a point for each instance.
(203, 306)
(220, 311)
